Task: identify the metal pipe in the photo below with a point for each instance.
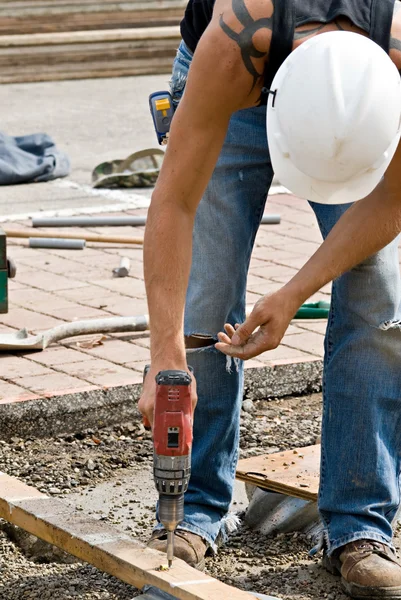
(89, 221)
(271, 220)
(57, 243)
(120, 221)
(123, 269)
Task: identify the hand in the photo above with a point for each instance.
(272, 315)
(146, 402)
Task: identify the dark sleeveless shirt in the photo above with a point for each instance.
(372, 16)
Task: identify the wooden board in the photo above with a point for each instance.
(104, 546)
(293, 472)
(87, 54)
(42, 16)
(90, 37)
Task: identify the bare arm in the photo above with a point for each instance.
(364, 229)
(219, 83)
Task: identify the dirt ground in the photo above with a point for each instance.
(78, 466)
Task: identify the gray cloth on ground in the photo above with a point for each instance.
(30, 158)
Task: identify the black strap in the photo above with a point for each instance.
(382, 19)
(282, 39)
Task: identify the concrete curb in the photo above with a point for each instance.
(42, 417)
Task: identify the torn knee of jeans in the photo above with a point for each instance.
(391, 324)
(197, 340)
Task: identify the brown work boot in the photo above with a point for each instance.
(187, 546)
(368, 569)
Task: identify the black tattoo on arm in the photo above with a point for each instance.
(244, 39)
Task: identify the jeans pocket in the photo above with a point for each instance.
(179, 76)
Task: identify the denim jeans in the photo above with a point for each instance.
(361, 438)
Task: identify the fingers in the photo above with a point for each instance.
(256, 344)
(243, 332)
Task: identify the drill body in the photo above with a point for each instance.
(172, 438)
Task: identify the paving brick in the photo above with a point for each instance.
(272, 270)
(9, 392)
(100, 372)
(309, 342)
(127, 285)
(318, 326)
(79, 313)
(58, 355)
(138, 366)
(303, 248)
(34, 298)
(253, 363)
(266, 287)
(119, 351)
(60, 383)
(49, 281)
(14, 367)
(33, 321)
(143, 341)
(127, 307)
(282, 352)
(90, 295)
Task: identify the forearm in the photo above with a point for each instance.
(363, 230)
(190, 159)
(167, 262)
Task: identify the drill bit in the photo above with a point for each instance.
(170, 548)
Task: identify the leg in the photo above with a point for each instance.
(226, 224)
(361, 442)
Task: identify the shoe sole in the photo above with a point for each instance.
(361, 592)
(366, 593)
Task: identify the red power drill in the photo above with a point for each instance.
(172, 441)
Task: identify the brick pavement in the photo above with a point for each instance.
(57, 286)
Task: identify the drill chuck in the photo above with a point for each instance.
(171, 511)
(172, 474)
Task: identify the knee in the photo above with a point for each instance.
(192, 342)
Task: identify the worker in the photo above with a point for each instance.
(202, 222)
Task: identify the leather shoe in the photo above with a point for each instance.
(188, 546)
(368, 569)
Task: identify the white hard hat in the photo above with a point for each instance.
(333, 118)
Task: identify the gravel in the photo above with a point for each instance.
(76, 463)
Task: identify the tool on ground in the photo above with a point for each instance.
(314, 310)
(88, 237)
(140, 169)
(122, 221)
(123, 269)
(21, 340)
(162, 111)
(172, 441)
(96, 221)
(59, 243)
(8, 270)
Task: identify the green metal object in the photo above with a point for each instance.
(314, 310)
(3, 273)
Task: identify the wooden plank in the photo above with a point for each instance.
(83, 22)
(103, 546)
(90, 37)
(293, 472)
(78, 55)
(90, 73)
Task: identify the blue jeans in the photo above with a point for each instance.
(361, 439)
